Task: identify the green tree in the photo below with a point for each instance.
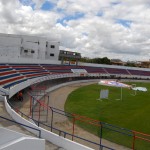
(103, 60)
(130, 64)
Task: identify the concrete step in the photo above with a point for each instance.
(24, 143)
(15, 127)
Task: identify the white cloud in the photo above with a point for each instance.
(92, 35)
(17, 18)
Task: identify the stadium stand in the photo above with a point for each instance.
(139, 72)
(12, 74)
(94, 69)
(60, 68)
(117, 71)
(8, 75)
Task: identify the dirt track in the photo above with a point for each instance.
(57, 100)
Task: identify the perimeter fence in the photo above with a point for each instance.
(69, 126)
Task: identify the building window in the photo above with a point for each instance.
(32, 51)
(52, 46)
(51, 54)
(25, 51)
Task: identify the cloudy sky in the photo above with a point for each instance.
(95, 28)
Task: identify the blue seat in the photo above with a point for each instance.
(14, 83)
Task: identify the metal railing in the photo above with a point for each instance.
(39, 134)
(60, 132)
(102, 125)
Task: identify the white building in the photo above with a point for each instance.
(21, 48)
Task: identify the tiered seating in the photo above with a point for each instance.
(116, 71)
(30, 70)
(139, 72)
(94, 69)
(6, 70)
(54, 69)
(8, 75)
(12, 74)
(14, 83)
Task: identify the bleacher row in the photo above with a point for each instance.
(11, 74)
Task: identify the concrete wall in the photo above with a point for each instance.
(13, 90)
(10, 46)
(52, 49)
(28, 47)
(23, 60)
(69, 83)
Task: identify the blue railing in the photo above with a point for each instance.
(22, 125)
(102, 125)
(117, 129)
(66, 133)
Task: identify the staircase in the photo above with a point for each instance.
(12, 140)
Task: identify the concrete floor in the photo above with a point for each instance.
(17, 128)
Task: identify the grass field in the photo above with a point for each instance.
(132, 112)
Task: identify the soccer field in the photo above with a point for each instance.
(132, 112)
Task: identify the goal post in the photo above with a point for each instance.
(103, 94)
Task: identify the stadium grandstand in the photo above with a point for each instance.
(28, 61)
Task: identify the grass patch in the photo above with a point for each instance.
(132, 112)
